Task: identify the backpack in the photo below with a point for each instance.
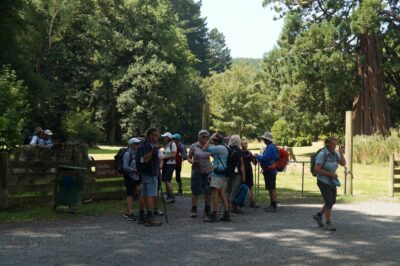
(233, 163)
(313, 160)
(243, 196)
(141, 166)
(119, 160)
(179, 155)
(283, 160)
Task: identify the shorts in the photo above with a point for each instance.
(130, 185)
(149, 186)
(329, 193)
(270, 180)
(249, 179)
(200, 184)
(168, 172)
(218, 182)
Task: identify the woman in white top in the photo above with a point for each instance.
(169, 158)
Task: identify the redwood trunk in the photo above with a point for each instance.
(371, 110)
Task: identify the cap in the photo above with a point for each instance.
(167, 135)
(177, 136)
(268, 136)
(48, 132)
(133, 141)
(203, 132)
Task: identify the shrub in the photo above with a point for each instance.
(303, 141)
(281, 132)
(80, 127)
(375, 149)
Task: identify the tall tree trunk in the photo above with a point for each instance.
(371, 110)
(112, 131)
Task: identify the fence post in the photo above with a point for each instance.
(302, 181)
(3, 180)
(391, 176)
(205, 120)
(349, 151)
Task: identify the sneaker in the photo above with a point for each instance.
(271, 209)
(212, 218)
(170, 200)
(180, 192)
(131, 217)
(153, 222)
(318, 220)
(226, 217)
(193, 212)
(158, 212)
(329, 227)
(126, 215)
(142, 218)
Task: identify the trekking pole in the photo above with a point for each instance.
(165, 205)
(258, 180)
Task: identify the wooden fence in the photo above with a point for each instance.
(394, 176)
(33, 182)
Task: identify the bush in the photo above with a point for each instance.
(375, 149)
(281, 132)
(80, 127)
(303, 141)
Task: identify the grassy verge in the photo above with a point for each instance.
(370, 182)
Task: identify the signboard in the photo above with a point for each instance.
(106, 168)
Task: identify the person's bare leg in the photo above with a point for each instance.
(170, 189)
(142, 203)
(207, 200)
(224, 200)
(150, 203)
(273, 195)
(328, 214)
(214, 198)
(129, 204)
(194, 200)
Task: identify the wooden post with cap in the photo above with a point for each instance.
(349, 152)
(205, 122)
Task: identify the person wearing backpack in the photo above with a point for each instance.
(267, 159)
(148, 166)
(249, 159)
(37, 138)
(181, 155)
(220, 153)
(238, 176)
(131, 176)
(327, 162)
(169, 157)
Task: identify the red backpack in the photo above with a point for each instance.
(179, 157)
(283, 160)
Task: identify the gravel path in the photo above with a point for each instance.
(368, 234)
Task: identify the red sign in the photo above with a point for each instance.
(106, 168)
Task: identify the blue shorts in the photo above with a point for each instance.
(149, 186)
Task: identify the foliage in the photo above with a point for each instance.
(78, 126)
(376, 149)
(281, 132)
(220, 54)
(12, 109)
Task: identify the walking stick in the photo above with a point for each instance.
(163, 200)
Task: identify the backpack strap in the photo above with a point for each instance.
(220, 158)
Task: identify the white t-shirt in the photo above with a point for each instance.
(168, 150)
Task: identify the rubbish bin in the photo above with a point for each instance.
(69, 186)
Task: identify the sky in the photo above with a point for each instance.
(249, 28)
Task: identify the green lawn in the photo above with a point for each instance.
(370, 182)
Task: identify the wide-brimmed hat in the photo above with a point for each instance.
(167, 135)
(134, 141)
(268, 136)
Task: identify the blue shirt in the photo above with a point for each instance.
(268, 158)
(129, 164)
(154, 163)
(220, 154)
(329, 162)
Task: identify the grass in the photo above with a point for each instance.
(370, 182)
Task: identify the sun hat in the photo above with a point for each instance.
(48, 132)
(167, 135)
(177, 136)
(203, 132)
(133, 141)
(268, 136)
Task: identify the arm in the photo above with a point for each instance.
(34, 140)
(319, 170)
(184, 152)
(342, 159)
(242, 170)
(267, 154)
(125, 162)
(190, 156)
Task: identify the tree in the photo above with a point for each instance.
(220, 55)
(361, 27)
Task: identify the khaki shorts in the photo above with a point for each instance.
(218, 182)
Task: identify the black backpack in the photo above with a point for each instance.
(313, 159)
(141, 166)
(234, 161)
(119, 160)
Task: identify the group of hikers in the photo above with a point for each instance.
(146, 164)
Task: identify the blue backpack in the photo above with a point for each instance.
(243, 196)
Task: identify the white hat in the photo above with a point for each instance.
(268, 136)
(48, 132)
(167, 135)
(203, 132)
(133, 141)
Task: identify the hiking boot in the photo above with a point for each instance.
(271, 208)
(142, 218)
(329, 227)
(226, 217)
(318, 220)
(193, 212)
(158, 212)
(254, 205)
(207, 210)
(151, 221)
(131, 217)
(212, 218)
